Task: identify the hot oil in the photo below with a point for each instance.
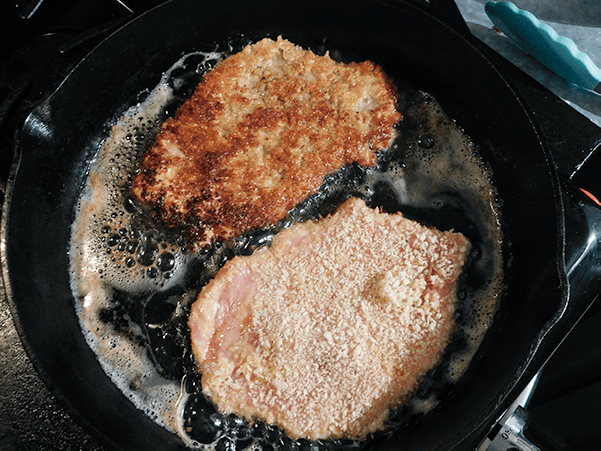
(127, 270)
(438, 179)
(134, 280)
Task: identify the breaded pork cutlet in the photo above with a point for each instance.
(332, 326)
(258, 136)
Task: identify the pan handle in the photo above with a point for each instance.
(582, 259)
(583, 239)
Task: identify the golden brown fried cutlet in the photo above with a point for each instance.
(258, 136)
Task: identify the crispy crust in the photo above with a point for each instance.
(258, 136)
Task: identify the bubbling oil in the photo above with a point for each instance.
(134, 279)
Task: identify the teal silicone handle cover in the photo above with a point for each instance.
(557, 53)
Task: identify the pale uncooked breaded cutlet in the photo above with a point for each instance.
(332, 326)
(258, 136)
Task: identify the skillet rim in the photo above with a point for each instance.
(6, 218)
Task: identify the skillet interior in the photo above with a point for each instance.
(60, 138)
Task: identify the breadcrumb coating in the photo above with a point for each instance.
(331, 327)
(258, 136)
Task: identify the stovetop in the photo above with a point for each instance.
(52, 35)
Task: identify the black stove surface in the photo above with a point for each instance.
(47, 38)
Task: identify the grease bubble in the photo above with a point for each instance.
(147, 253)
(166, 261)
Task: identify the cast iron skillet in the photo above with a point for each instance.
(59, 138)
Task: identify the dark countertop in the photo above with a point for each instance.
(31, 418)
